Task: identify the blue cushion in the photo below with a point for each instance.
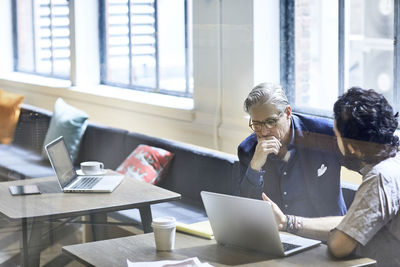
(69, 122)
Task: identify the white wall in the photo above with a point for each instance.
(235, 46)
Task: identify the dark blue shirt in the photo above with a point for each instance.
(308, 184)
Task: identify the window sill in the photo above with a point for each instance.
(149, 103)
(25, 79)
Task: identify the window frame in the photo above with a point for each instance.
(103, 60)
(287, 54)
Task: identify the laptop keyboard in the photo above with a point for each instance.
(287, 246)
(86, 183)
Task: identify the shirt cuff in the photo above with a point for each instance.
(256, 178)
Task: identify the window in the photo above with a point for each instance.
(330, 46)
(146, 45)
(41, 37)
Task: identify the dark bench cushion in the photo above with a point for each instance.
(32, 128)
(105, 144)
(18, 163)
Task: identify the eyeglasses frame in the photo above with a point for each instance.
(265, 122)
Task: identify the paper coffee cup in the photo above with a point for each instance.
(164, 233)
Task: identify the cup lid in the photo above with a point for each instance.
(163, 222)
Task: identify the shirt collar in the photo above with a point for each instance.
(292, 135)
(366, 169)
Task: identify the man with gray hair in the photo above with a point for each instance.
(293, 158)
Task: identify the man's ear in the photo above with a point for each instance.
(288, 111)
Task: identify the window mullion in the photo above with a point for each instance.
(34, 36)
(15, 34)
(130, 42)
(396, 52)
(187, 52)
(341, 47)
(287, 49)
(103, 24)
(157, 56)
(51, 27)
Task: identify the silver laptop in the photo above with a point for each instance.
(67, 177)
(250, 224)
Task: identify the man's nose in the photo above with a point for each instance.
(265, 130)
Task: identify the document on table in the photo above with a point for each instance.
(190, 262)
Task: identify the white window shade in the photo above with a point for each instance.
(146, 45)
(42, 37)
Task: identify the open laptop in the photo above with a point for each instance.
(67, 177)
(250, 224)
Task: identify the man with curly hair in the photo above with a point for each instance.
(364, 126)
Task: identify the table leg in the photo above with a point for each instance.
(99, 227)
(35, 246)
(30, 251)
(24, 248)
(146, 217)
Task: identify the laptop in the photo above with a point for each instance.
(250, 224)
(67, 177)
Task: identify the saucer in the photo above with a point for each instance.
(80, 173)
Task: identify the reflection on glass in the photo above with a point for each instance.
(369, 52)
(316, 59)
(370, 45)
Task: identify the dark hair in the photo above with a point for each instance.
(365, 119)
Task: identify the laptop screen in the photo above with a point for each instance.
(61, 161)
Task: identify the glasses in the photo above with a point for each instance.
(269, 123)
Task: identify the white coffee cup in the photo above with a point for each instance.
(92, 167)
(164, 233)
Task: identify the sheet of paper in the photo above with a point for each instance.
(190, 262)
(202, 229)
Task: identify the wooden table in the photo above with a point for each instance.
(54, 204)
(115, 252)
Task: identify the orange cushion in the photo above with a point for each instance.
(9, 114)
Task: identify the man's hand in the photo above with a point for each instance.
(280, 218)
(265, 146)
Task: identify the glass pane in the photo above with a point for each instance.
(43, 45)
(370, 45)
(171, 36)
(316, 54)
(117, 71)
(117, 51)
(25, 36)
(144, 54)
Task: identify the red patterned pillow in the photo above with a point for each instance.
(146, 163)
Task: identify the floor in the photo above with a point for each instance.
(65, 234)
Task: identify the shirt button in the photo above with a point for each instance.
(286, 205)
(285, 193)
(284, 173)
